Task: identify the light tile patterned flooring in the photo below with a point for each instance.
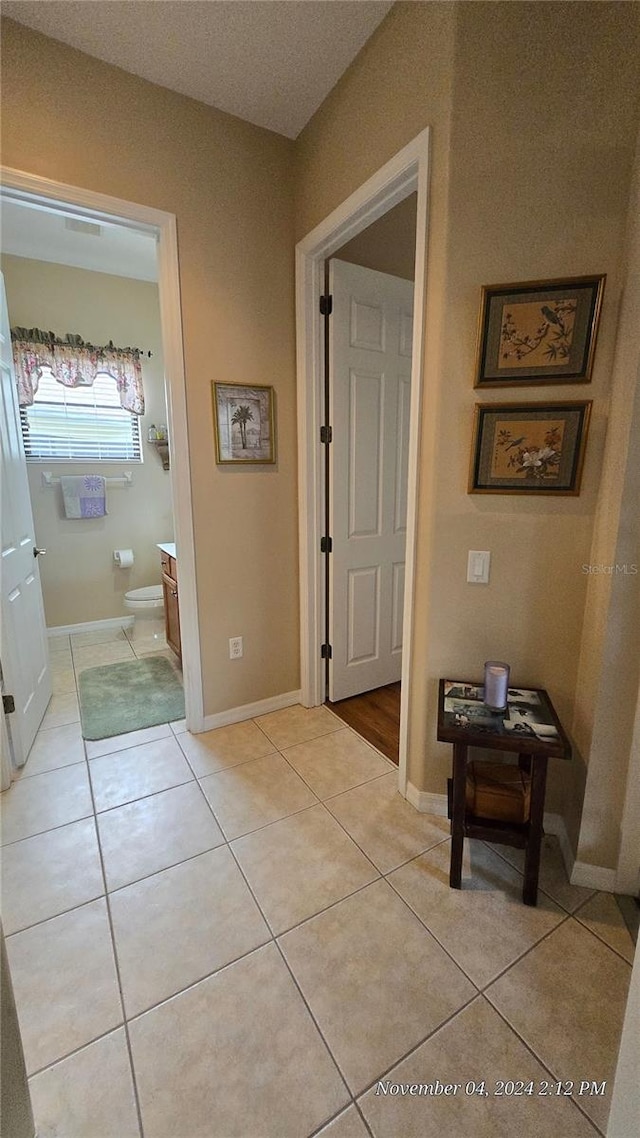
(238, 934)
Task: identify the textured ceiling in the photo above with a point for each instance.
(271, 62)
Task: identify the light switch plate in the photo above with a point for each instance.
(478, 564)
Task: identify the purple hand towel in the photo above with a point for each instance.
(84, 496)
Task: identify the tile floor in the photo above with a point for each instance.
(240, 934)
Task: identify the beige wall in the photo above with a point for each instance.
(531, 161)
(389, 245)
(532, 147)
(609, 669)
(399, 83)
(509, 221)
(78, 120)
(79, 579)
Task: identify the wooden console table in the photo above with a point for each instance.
(530, 728)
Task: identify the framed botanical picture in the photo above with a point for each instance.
(244, 422)
(529, 448)
(538, 332)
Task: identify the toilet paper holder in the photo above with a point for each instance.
(123, 558)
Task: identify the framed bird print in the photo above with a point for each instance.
(529, 448)
(538, 332)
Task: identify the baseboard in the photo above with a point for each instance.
(555, 824)
(579, 872)
(91, 626)
(251, 710)
(593, 877)
(426, 802)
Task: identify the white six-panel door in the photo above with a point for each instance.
(23, 635)
(370, 337)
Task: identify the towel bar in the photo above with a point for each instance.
(125, 479)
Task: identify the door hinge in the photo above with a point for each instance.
(326, 545)
(8, 704)
(326, 434)
(326, 652)
(326, 305)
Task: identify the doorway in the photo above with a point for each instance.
(91, 210)
(369, 343)
(404, 175)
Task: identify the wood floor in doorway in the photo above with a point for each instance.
(376, 716)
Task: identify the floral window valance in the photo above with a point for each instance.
(75, 363)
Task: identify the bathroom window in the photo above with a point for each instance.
(79, 423)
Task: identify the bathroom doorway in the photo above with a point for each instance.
(94, 276)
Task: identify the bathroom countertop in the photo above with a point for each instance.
(168, 547)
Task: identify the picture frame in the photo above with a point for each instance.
(529, 448)
(538, 332)
(244, 423)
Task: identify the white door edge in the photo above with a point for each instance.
(18, 185)
(406, 172)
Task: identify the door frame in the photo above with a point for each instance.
(406, 172)
(21, 186)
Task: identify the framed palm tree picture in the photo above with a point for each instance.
(244, 423)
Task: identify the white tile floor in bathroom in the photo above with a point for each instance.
(238, 934)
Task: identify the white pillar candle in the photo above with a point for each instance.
(496, 684)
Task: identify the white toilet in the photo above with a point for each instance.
(146, 605)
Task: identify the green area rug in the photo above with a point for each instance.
(116, 698)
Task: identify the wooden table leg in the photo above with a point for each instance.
(524, 762)
(536, 819)
(457, 813)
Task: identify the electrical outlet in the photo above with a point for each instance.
(235, 647)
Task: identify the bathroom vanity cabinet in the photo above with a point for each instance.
(170, 593)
